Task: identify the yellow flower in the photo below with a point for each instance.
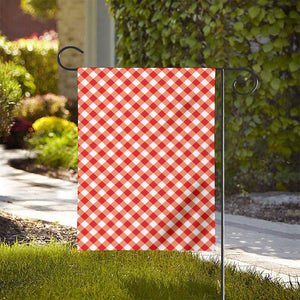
(51, 124)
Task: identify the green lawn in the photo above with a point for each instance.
(57, 271)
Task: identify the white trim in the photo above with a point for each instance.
(99, 35)
(105, 36)
(90, 51)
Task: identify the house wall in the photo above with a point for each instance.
(15, 24)
(71, 31)
(86, 25)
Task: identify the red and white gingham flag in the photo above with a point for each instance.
(146, 159)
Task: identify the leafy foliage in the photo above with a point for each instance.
(22, 76)
(40, 9)
(55, 141)
(262, 130)
(34, 108)
(38, 57)
(52, 124)
(10, 96)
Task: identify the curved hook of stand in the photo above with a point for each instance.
(61, 51)
(239, 81)
(235, 82)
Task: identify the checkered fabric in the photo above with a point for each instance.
(146, 159)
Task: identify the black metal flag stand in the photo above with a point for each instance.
(235, 82)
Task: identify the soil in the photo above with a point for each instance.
(13, 228)
(29, 165)
(245, 205)
(25, 230)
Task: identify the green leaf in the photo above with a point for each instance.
(268, 47)
(279, 13)
(256, 119)
(212, 24)
(262, 2)
(293, 15)
(240, 11)
(237, 103)
(294, 65)
(157, 15)
(238, 26)
(286, 151)
(275, 84)
(274, 29)
(248, 131)
(271, 19)
(248, 35)
(206, 30)
(281, 23)
(191, 41)
(255, 31)
(253, 11)
(244, 169)
(206, 53)
(147, 13)
(231, 40)
(249, 101)
(192, 7)
(256, 68)
(296, 130)
(294, 112)
(189, 64)
(275, 125)
(262, 15)
(278, 43)
(213, 9)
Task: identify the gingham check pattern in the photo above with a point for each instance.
(146, 159)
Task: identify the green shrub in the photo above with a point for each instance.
(22, 76)
(40, 9)
(10, 95)
(38, 57)
(262, 130)
(55, 141)
(52, 124)
(56, 150)
(39, 106)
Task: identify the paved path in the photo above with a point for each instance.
(270, 247)
(35, 196)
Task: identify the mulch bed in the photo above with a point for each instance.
(13, 228)
(243, 205)
(29, 165)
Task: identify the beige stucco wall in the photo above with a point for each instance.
(71, 31)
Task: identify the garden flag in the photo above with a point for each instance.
(146, 159)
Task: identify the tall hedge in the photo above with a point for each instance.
(262, 130)
(38, 57)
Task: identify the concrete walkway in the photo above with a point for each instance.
(270, 247)
(34, 196)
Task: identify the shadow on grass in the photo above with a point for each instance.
(148, 289)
